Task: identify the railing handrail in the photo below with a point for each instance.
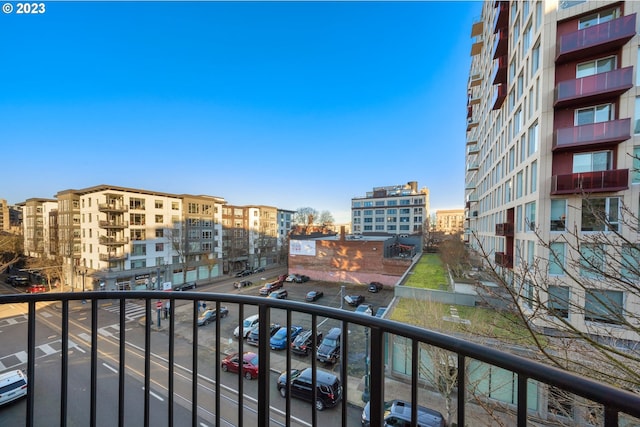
(625, 401)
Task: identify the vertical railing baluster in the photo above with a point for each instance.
(31, 361)
(122, 364)
(217, 364)
(462, 389)
(415, 377)
(240, 356)
(522, 400)
(94, 361)
(376, 381)
(194, 364)
(64, 375)
(263, 364)
(610, 416)
(287, 369)
(344, 373)
(147, 360)
(172, 331)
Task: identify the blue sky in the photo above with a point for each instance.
(287, 104)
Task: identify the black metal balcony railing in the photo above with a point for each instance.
(590, 182)
(595, 135)
(113, 207)
(504, 229)
(113, 224)
(614, 401)
(593, 88)
(596, 39)
(504, 260)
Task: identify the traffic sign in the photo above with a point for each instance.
(159, 305)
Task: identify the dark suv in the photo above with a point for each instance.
(329, 350)
(328, 388)
(303, 344)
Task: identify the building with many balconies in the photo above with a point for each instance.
(552, 98)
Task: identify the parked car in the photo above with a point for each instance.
(302, 278)
(279, 339)
(375, 287)
(279, 294)
(36, 289)
(303, 344)
(329, 349)
(13, 386)
(9, 280)
(354, 300)
(185, 286)
(247, 324)
(365, 309)
(210, 315)
(20, 281)
(254, 334)
(380, 311)
(244, 273)
(291, 278)
(398, 413)
(242, 284)
(259, 270)
(328, 387)
(313, 295)
(249, 364)
(270, 287)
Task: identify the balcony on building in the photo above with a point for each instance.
(113, 224)
(471, 185)
(472, 122)
(503, 260)
(595, 88)
(113, 207)
(502, 15)
(590, 182)
(473, 166)
(596, 39)
(113, 241)
(112, 257)
(474, 99)
(473, 149)
(469, 111)
(475, 79)
(472, 138)
(504, 229)
(476, 46)
(500, 71)
(501, 44)
(499, 96)
(594, 135)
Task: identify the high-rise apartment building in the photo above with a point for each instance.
(4, 216)
(396, 209)
(552, 130)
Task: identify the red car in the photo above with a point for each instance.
(35, 289)
(250, 364)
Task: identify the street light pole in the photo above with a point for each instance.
(365, 393)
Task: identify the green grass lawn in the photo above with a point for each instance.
(428, 273)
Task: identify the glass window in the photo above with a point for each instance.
(592, 162)
(596, 66)
(519, 185)
(598, 18)
(601, 214)
(635, 169)
(534, 177)
(558, 303)
(533, 139)
(596, 114)
(592, 260)
(530, 214)
(603, 306)
(556, 258)
(535, 59)
(558, 214)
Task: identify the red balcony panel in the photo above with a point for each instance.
(504, 229)
(500, 73)
(590, 182)
(499, 96)
(504, 260)
(501, 44)
(502, 16)
(593, 88)
(597, 39)
(596, 135)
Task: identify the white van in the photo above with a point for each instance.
(13, 385)
(247, 325)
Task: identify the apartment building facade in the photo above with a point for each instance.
(449, 221)
(109, 237)
(396, 209)
(552, 131)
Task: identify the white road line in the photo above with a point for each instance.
(115, 371)
(157, 396)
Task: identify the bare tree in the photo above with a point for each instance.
(582, 292)
(325, 219)
(305, 217)
(10, 249)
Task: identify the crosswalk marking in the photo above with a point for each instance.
(132, 310)
(19, 358)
